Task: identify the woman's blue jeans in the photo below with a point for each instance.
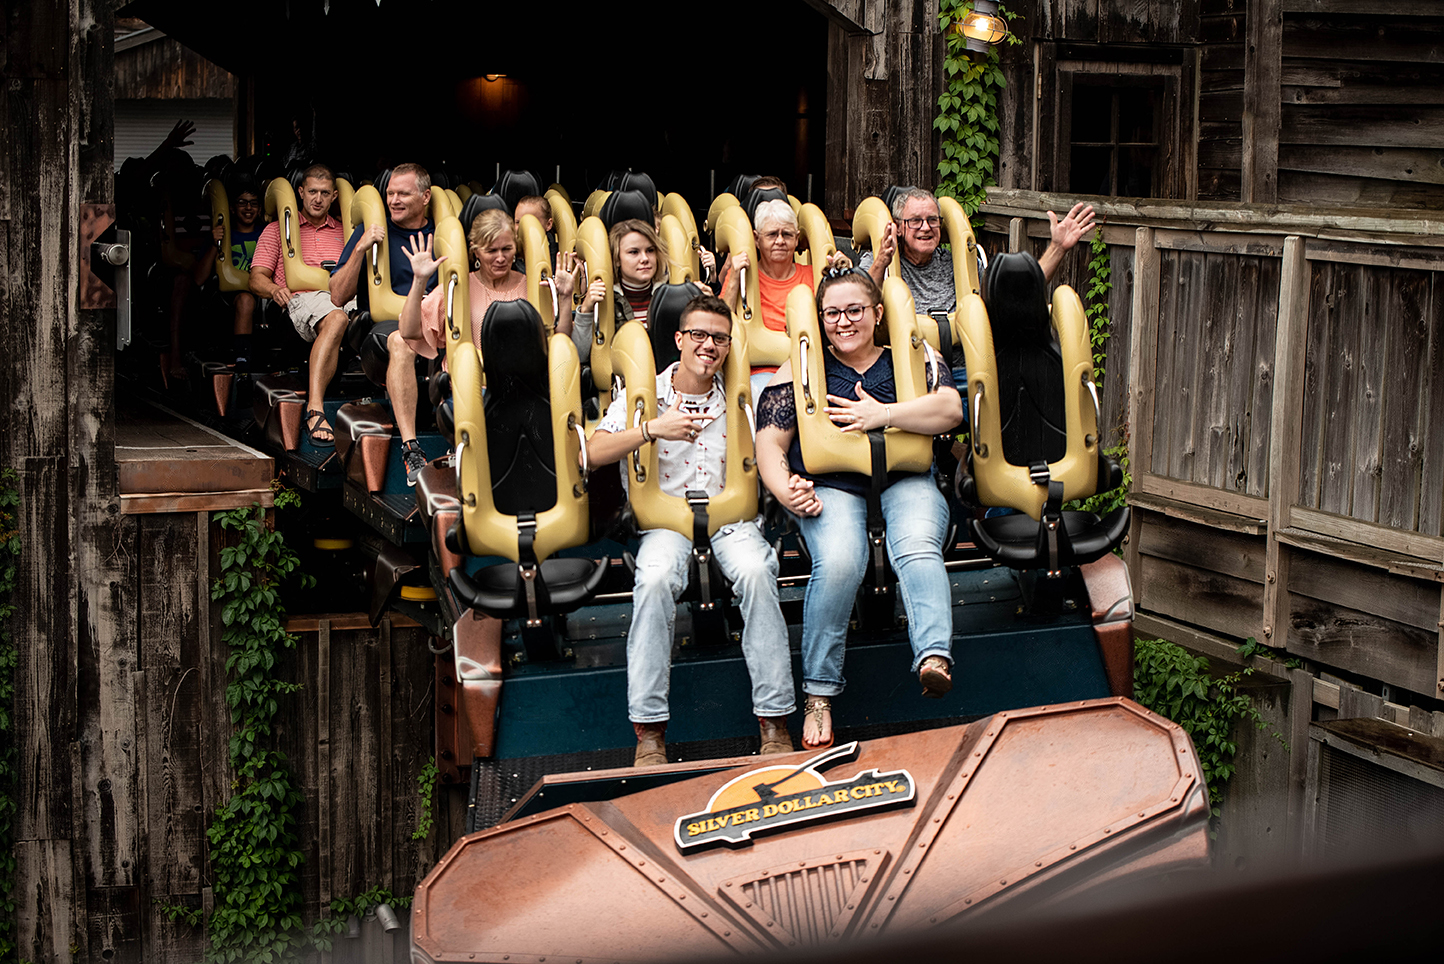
(917, 522)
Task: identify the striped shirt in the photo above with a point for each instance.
(317, 244)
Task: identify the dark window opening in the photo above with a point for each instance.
(1114, 142)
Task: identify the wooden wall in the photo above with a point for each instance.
(1285, 417)
(165, 69)
(1362, 93)
(357, 735)
(1221, 26)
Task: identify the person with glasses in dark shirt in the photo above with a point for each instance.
(917, 224)
(691, 433)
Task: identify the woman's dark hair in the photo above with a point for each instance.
(863, 280)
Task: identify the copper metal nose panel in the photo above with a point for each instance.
(1025, 805)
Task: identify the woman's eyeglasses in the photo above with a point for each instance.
(719, 338)
(854, 313)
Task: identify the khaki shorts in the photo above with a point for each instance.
(307, 308)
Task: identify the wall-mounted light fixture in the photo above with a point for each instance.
(983, 26)
(493, 78)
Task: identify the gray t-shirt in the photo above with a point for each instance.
(931, 284)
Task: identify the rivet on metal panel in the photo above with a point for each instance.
(839, 856)
(661, 880)
(747, 903)
(874, 926)
(681, 896)
(932, 920)
(1172, 799)
(1002, 883)
(1072, 846)
(729, 883)
(978, 754)
(1037, 863)
(641, 863)
(726, 933)
(892, 896)
(604, 832)
(1107, 829)
(937, 819)
(704, 913)
(907, 870)
(852, 907)
(862, 880)
(967, 900)
(803, 863)
(923, 846)
(769, 923)
(1140, 813)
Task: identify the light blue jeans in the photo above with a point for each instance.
(917, 523)
(749, 562)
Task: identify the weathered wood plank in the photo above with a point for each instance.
(1376, 125)
(1287, 431)
(1429, 549)
(45, 913)
(1358, 642)
(1394, 164)
(1415, 39)
(1202, 495)
(1211, 423)
(1262, 421)
(1230, 553)
(1220, 242)
(1331, 91)
(1188, 512)
(1431, 497)
(1412, 602)
(1299, 187)
(1367, 410)
(1119, 363)
(1263, 65)
(1403, 381)
(1339, 389)
(1216, 602)
(1189, 359)
(1163, 379)
(1143, 354)
(170, 631)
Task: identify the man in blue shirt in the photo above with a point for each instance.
(408, 198)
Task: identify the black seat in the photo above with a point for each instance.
(757, 197)
(476, 204)
(664, 317)
(624, 206)
(1030, 417)
(522, 473)
(512, 186)
(638, 181)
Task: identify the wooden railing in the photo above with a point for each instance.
(1279, 375)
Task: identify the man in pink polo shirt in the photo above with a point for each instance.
(316, 319)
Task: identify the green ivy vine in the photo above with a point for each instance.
(255, 848)
(1100, 284)
(324, 931)
(426, 794)
(1175, 684)
(9, 754)
(968, 112)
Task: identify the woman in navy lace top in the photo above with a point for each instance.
(831, 509)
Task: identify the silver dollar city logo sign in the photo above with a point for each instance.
(775, 797)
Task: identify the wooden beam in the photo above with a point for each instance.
(1262, 95)
(1143, 355)
(1287, 432)
(1405, 227)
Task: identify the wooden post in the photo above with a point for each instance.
(1262, 101)
(1287, 432)
(1142, 354)
(1017, 235)
(58, 435)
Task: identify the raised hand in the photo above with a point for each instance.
(568, 271)
(1067, 232)
(418, 252)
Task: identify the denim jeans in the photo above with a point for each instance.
(917, 522)
(749, 562)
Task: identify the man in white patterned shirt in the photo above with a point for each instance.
(691, 432)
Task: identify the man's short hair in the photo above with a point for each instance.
(707, 303)
(423, 179)
(320, 172)
(911, 194)
(766, 182)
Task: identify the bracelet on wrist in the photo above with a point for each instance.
(646, 436)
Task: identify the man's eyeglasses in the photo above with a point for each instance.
(915, 223)
(719, 338)
(854, 314)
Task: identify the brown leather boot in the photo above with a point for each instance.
(775, 738)
(651, 744)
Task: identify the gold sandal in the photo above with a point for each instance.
(817, 710)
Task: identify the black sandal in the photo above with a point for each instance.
(316, 422)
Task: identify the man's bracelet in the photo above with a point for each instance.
(646, 435)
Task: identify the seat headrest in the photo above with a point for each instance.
(380, 182)
(891, 192)
(475, 205)
(624, 205)
(612, 181)
(757, 197)
(512, 186)
(442, 180)
(513, 342)
(219, 166)
(294, 175)
(1016, 295)
(664, 318)
(639, 182)
(740, 185)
